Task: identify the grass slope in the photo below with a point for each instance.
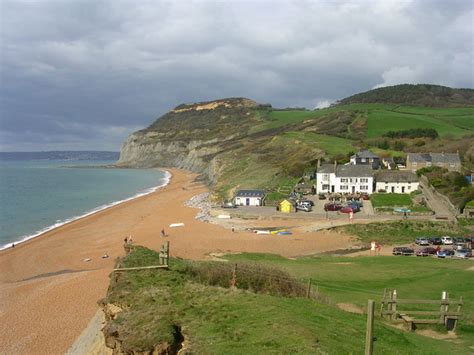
(217, 320)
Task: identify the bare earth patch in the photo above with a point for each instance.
(350, 307)
(470, 268)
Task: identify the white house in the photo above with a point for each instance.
(249, 198)
(345, 179)
(396, 181)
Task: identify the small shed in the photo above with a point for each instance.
(249, 198)
(287, 206)
(305, 188)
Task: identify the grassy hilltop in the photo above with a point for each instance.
(247, 145)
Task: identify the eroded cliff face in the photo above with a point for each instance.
(190, 136)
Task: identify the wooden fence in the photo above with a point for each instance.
(447, 312)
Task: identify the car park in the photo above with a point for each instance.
(356, 203)
(322, 196)
(422, 241)
(403, 251)
(436, 241)
(463, 253)
(365, 196)
(332, 207)
(445, 253)
(426, 251)
(447, 240)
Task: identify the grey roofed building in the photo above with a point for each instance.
(346, 170)
(395, 176)
(450, 161)
(250, 193)
(354, 171)
(326, 169)
(445, 158)
(365, 154)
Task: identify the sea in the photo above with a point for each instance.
(39, 192)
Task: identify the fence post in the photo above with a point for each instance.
(233, 281)
(383, 302)
(369, 335)
(167, 248)
(308, 290)
(443, 308)
(394, 304)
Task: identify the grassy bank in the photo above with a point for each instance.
(217, 320)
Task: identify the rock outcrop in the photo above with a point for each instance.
(190, 136)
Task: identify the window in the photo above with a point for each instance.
(344, 187)
(363, 160)
(343, 180)
(364, 180)
(326, 177)
(409, 187)
(364, 188)
(325, 187)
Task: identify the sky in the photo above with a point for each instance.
(83, 75)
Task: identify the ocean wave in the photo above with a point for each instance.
(165, 181)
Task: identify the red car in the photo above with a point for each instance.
(426, 251)
(332, 207)
(348, 209)
(365, 197)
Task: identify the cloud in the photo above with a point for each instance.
(86, 73)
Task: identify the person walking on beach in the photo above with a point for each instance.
(163, 234)
(130, 240)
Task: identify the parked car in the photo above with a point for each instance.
(365, 196)
(463, 253)
(304, 207)
(458, 241)
(426, 251)
(332, 207)
(349, 209)
(322, 196)
(355, 202)
(355, 208)
(436, 241)
(422, 241)
(445, 253)
(447, 240)
(403, 251)
(228, 204)
(307, 202)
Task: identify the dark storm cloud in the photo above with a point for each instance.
(84, 74)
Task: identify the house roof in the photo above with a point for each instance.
(250, 193)
(396, 176)
(347, 170)
(365, 153)
(435, 158)
(326, 169)
(354, 171)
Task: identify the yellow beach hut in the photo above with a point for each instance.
(286, 206)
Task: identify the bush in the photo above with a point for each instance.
(253, 277)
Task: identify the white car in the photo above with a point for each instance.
(447, 240)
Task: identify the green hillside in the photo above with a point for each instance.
(268, 313)
(420, 95)
(256, 146)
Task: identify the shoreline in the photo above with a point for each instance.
(39, 233)
(50, 286)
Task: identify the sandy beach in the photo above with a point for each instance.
(49, 293)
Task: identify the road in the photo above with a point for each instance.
(439, 208)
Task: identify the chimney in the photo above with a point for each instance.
(335, 166)
(319, 164)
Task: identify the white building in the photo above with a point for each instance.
(396, 181)
(249, 198)
(345, 179)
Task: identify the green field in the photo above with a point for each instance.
(390, 200)
(217, 320)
